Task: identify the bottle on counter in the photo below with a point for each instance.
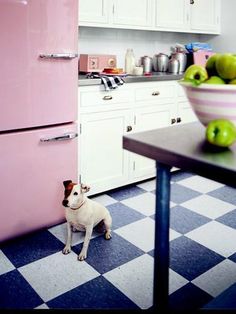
(129, 61)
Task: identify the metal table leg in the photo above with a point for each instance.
(161, 253)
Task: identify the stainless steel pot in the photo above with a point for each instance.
(160, 62)
(173, 65)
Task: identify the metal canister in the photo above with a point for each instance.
(146, 62)
(173, 65)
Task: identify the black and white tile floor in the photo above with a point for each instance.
(118, 274)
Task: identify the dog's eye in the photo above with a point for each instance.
(75, 193)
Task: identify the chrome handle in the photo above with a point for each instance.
(173, 121)
(155, 93)
(58, 55)
(129, 128)
(107, 97)
(64, 137)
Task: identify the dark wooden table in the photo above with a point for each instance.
(184, 147)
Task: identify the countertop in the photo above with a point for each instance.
(156, 76)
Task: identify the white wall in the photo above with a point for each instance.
(226, 42)
(116, 41)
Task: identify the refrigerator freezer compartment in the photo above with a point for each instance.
(32, 174)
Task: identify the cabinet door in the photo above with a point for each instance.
(93, 12)
(148, 118)
(103, 161)
(185, 112)
(205, 15)
(134, 13)
(172, 15)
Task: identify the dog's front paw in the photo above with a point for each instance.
(107, 235)
(82, 256)
(66, 250)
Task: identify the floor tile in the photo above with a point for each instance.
(233, 257)
(180, 175)
(148, 186)
(139, 233)
(225, 193)
(104, 255)
(208, 206)
(183, 220)
(123, 215)
(225, 301)
(218, 278)
(200, 184)
(180, 194)
(228, 219)
(96, 294)
(56, 274)
(29, 248)
(103, 199)
(215, 236)
(176, 281)
(135, 279)
(188, 297)
(42, 307)
(5, 264)
(190, 259)
(16, 292)
(143, 203)
(125, 192)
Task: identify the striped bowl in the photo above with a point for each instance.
(212, 101)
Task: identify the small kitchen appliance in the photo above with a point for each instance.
(96, 63)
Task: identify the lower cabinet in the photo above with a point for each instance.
(106, 116)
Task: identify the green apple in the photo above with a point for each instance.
(226, 66)
(210, 64)
(215, 80)
(221, 132)
(196, 74)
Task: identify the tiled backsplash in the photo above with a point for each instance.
(116, 41)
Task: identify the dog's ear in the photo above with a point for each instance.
(85, 188)
(66, 183)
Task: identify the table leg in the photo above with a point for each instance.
(161, 252)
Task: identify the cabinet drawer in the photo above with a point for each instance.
(155, 92)
(96, 98)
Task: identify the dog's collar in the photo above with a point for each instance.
(81, 204)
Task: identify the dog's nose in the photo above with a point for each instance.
(65, 203)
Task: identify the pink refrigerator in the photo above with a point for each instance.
(38, 111)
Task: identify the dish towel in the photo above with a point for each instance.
(111, 82)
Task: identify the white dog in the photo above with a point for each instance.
(83, 214)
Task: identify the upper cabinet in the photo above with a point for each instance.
(135, 14)
(191, 16)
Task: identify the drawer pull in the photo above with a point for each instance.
(178, 120)
(107, 97)
(129, 128)
(155, 93)
(173, 121)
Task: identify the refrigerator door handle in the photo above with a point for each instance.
(59, 55)
(64, 137)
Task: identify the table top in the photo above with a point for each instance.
(184, 146)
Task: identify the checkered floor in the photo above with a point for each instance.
(118, 274)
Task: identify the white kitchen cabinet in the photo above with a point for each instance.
(105, 116)
(195, 16)
(191, 16)
(103, 162)
(131, 14)
(135, 13)
(94, 12)
(205, 16)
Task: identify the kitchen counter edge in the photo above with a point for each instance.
(84, 81)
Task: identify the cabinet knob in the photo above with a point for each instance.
(155, 93)
(129, 128)
(191, 1)
(173, 121)
(107, 97)
(178, 120)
